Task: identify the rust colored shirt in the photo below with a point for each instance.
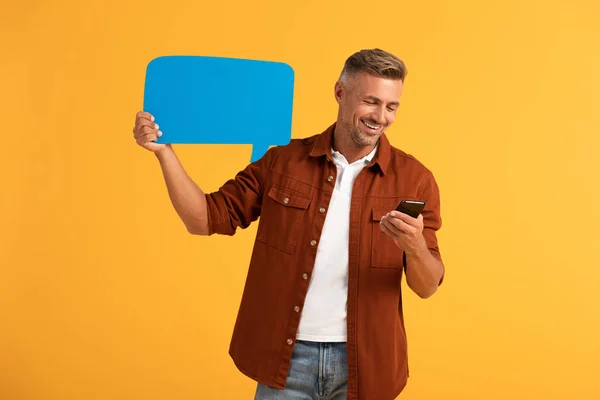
(289, 188)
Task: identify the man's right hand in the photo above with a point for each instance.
(146, 131)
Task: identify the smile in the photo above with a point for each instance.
(372, 127)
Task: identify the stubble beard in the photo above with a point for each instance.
(359, 138)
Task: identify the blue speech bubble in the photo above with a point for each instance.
(219, 100)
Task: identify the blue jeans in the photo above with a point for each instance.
(318, 371)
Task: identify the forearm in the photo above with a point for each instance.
(187, 198)
(423, 271)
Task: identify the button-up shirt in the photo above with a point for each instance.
(323, 317)
(290, 189)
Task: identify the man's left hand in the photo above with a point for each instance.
(406, 231)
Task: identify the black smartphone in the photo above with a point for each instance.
(411, 207)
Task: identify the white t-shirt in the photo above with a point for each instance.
(323, 318)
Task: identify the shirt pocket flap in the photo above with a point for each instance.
(378, 213)
(289, 198)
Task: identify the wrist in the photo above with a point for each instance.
(163, 153)
(419, 250)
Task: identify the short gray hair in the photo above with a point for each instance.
(376, 62)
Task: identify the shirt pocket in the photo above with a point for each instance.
(384, 251)
(282, 218)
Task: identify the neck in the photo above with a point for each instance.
(345, 145)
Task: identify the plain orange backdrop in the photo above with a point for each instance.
(104, 295)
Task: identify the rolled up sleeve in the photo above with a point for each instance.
(237, 203)
(432, 220)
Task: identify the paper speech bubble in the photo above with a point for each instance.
(219, 100)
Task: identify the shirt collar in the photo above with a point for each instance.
(366, 159)
(380, 156)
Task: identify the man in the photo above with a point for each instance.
(321, 314)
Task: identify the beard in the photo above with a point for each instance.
(359, 138)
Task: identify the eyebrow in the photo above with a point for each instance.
(394, 103)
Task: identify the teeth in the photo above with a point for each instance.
(371, 126)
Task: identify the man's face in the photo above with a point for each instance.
(368, 106)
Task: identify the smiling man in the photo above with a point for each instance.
(321, 315)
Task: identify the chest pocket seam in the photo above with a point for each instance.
(282, 218)
(289, 197)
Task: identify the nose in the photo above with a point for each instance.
(379, 116)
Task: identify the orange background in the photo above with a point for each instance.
(104, 295)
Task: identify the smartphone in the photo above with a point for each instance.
(411, 207)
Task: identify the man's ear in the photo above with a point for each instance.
(339, 91)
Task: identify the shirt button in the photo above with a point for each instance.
(290, 341)
(330, 178)
(322, 210)
(297, 309)
(305, 276)
(313, 242)
(286, 200)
